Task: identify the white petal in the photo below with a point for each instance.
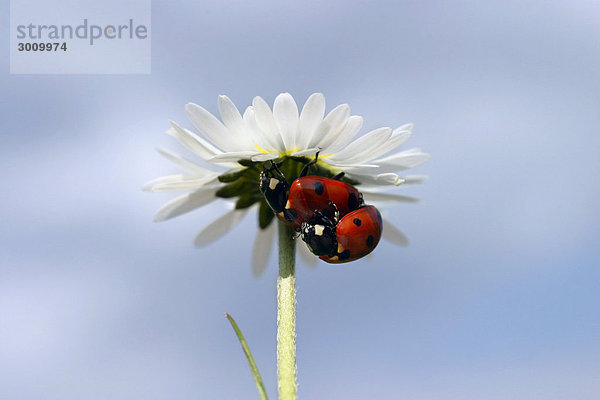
(147, 187)
(405, 127)
(393, 234)
(285, 112)
(352, 167)
(387, 197)
(211, 127)
(184, 163)
(219, 227)
(310, 118)
(350, 130)
(185, 183)
(414, 150)
(376, 180)
(394, 141)
(414, 179)
(307, 152)
(185, 203)
(403, 160)
(233, 156)
(193, 142)
(362, 147)
(177, 182)
(261, 138)
(309, 258)
(231, 116)
(330, 127)
(263, 246)
(266, 122)
(265, 157)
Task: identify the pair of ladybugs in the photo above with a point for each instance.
(329, 214)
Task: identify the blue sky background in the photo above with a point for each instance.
(495, 298)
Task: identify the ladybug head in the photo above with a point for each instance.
(320, 237)
(274, 190)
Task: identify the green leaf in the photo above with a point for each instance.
(253, 368)
(265, 215)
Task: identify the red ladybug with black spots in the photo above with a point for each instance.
(354, 236)
(299, 202)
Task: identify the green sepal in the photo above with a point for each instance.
(293, 170)
(246, 163)
(350, 181)
(236, 188)
(229, 177)
(265, 215)
(246, 200)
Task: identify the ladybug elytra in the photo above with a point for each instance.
(298, 203)
(329, 214)
(357, 234)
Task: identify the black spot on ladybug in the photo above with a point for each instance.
(379, 216)
(370, 241)
(357, 222)
(352, 201)
(319, 188)
(290, 214)
(344, 255)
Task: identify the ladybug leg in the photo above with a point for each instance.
(274, 187)
(339, 176)
(272, 170)
(334, 251)
(361, 201)
(312, 162)
(324, 218)
(278, 171)
(336, 212)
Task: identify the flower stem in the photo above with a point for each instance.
(286, 315)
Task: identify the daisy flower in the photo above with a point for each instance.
(234, 148)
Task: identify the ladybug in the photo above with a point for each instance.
(308, 198)
(354, 236)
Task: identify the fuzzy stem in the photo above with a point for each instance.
(286, 315)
